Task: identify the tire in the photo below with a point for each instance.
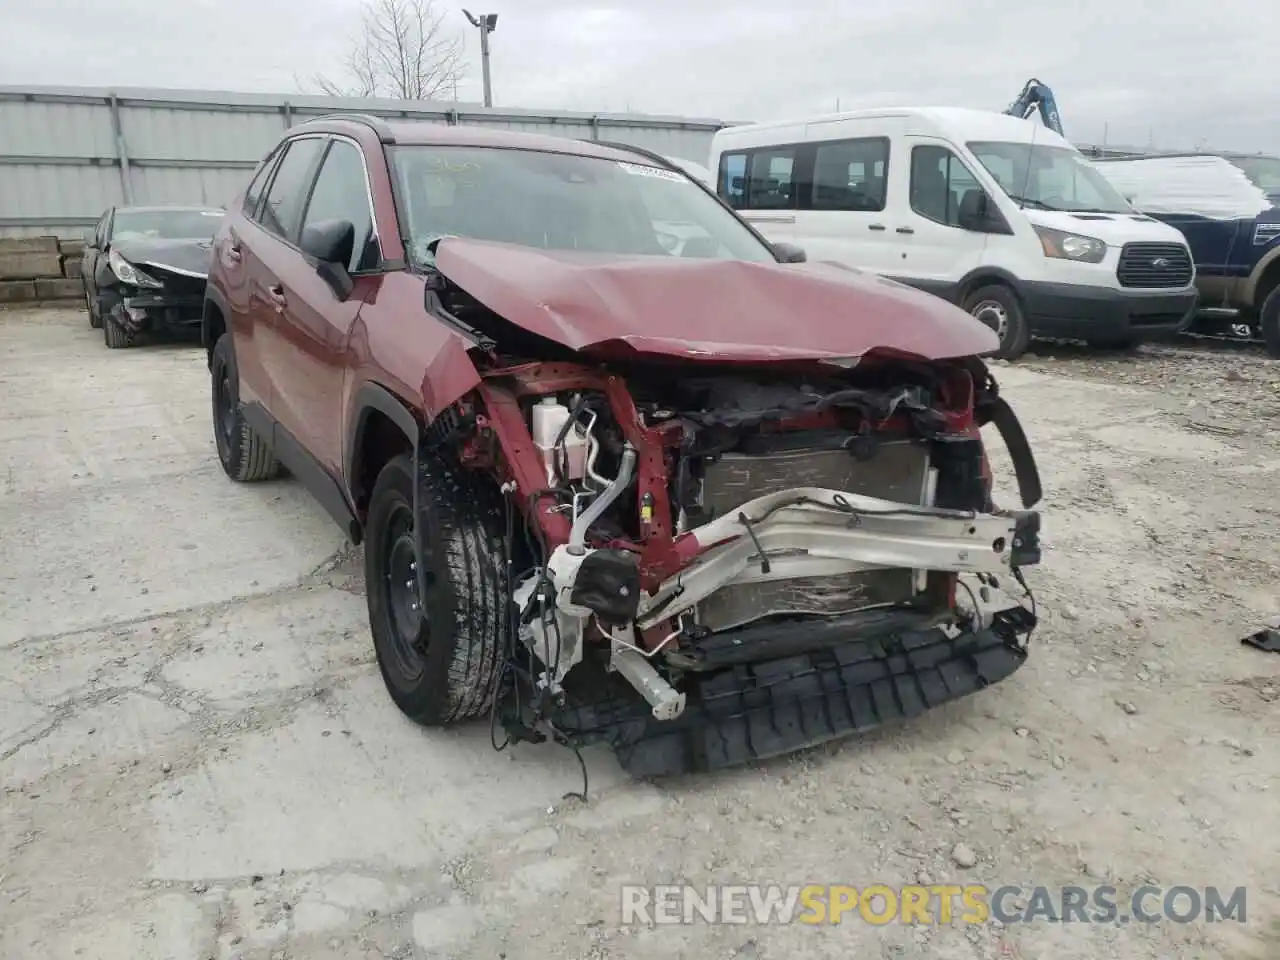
(245, 456)
(440, 668)
(1269, 322)
(95, 321)
(114, 335)
(999, 308)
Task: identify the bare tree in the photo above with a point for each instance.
(404, 52)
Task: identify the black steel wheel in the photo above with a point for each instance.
(440, 651)
(245, 456)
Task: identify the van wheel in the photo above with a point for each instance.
(1269, 320)
(999, 309)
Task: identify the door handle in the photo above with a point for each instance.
(277, 297)
(906, 230)
(876, 226)
(231, 252)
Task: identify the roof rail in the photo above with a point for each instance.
(376, 124)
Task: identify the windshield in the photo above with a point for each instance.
(166, 224)
(562, 202)
(1263, 171)
(1049, 177)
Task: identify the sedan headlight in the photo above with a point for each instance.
(1070, 246)
(126, 272)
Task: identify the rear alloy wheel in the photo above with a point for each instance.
(1269, 321)
(440, 652)
(999, 309)
(245, 456)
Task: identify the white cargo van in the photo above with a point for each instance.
(995, 213)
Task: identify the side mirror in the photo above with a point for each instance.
(91, 238)
(789, 253)
(977, 213)
(330, 243)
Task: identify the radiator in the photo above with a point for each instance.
(899, 471)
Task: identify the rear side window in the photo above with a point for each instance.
(342, 194)
(850, 175)
(939, 182)
(254, 193)
(288, 192)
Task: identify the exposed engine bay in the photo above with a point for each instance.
(724, 562)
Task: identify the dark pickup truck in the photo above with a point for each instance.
(1228, 208)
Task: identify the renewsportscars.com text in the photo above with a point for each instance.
(880, 904)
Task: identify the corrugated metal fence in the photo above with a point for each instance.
(68, 153)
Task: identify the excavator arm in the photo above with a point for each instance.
(1036, 96)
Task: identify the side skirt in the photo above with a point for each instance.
(318, 481)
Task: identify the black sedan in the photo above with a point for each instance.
(145, 269)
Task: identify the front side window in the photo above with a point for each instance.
(733, 179)
(939, 183)
(162, 224)
(851, 175)
(288, 192)
(1047, 177)
(558, 201)
(341, 193)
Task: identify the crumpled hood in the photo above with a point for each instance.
(190, 257)
(707, 309)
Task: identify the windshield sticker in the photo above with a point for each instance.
(640, 170)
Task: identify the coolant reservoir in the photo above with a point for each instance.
(549, 418)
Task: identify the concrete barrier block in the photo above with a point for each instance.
(71, 248)
(71, 266)
(60, 289)
(28, 244)
(30, 266)
(17, 291)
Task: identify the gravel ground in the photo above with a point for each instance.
(198, 761)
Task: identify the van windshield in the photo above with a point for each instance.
(1049, 177)
(560, 201)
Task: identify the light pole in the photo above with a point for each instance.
(486, 23)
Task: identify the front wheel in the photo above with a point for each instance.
(114, 333)
(440, 652)
(999, 308)
(1269, 321)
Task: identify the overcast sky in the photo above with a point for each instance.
(1175, 73)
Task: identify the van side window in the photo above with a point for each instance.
(939, 182)
(851, 175)
(733, 179)
(770, 179)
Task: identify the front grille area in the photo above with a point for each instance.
(1154, 265)
(898, 471)
(178, 284)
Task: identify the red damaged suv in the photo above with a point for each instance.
(623, 471)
